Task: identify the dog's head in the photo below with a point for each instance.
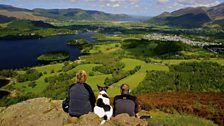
(100, 88)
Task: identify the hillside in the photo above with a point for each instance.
(79, 14)
(26, 29)
(216, 12)
(28, 25)
(11, 8)
(19, 13)
(61, 14)
(4, 19)
(191, 17)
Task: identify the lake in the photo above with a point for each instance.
(3, 82)
(23, 53)
(3, 93)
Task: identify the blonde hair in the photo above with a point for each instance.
(81, 76)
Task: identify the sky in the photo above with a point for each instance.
(131, 7)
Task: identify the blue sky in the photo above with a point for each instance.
(132, 7)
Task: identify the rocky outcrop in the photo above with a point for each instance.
(47, 112)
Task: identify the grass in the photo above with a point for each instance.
(133, 81)
(41, 84)
(22, 86)
(49, 68)
(155, 67)
(174, 61)
(130, 64)
(107, 55)
(93, 81)
(102, 37)
(102, 58)
(87, 67)
(217, 60)
(105, 48)
(3, 25)
(54, 56)
(97, 78)
(163, 119)
(140, 50)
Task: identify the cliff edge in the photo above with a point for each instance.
(47, 112)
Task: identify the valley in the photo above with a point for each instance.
(175, 69)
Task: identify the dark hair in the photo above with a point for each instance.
(124, 88)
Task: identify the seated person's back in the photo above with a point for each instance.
(125, 103)
(81, 97)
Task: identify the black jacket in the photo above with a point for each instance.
(81, 99)
(125, 103)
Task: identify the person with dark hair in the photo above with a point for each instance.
(125, 103)
(81, 97)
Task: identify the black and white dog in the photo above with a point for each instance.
(103, 108)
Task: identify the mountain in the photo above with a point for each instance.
(190, 10)
(4, 19)
(28, 25)
(216, 12)
(61, 14)
(11, 8)
(79, 14)
(19, 13)
(191, 17)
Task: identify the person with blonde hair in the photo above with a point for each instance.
(81, 96)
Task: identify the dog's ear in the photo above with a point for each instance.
(99, 87)
(106, 87)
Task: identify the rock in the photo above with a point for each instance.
(47, 112)
(72, 119)
(90, 119)
(126, 120)
(38, 112)
(2, 108)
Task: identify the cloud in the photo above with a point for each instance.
(105, 3)
(195, 3)
(162, 1)
(117, 3)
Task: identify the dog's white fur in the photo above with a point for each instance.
(100, 111)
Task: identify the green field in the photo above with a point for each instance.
(54, 56)
(105, 48)
(49, 68)
(104, 53)
(173, 62)
(138, 77)
(160, 119)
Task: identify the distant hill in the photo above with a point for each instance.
(79, 14)
(28, 25)
(216, 12)
(19, 13)
(11, 8)
(4, 19)
(62, 14)
(191, 17)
